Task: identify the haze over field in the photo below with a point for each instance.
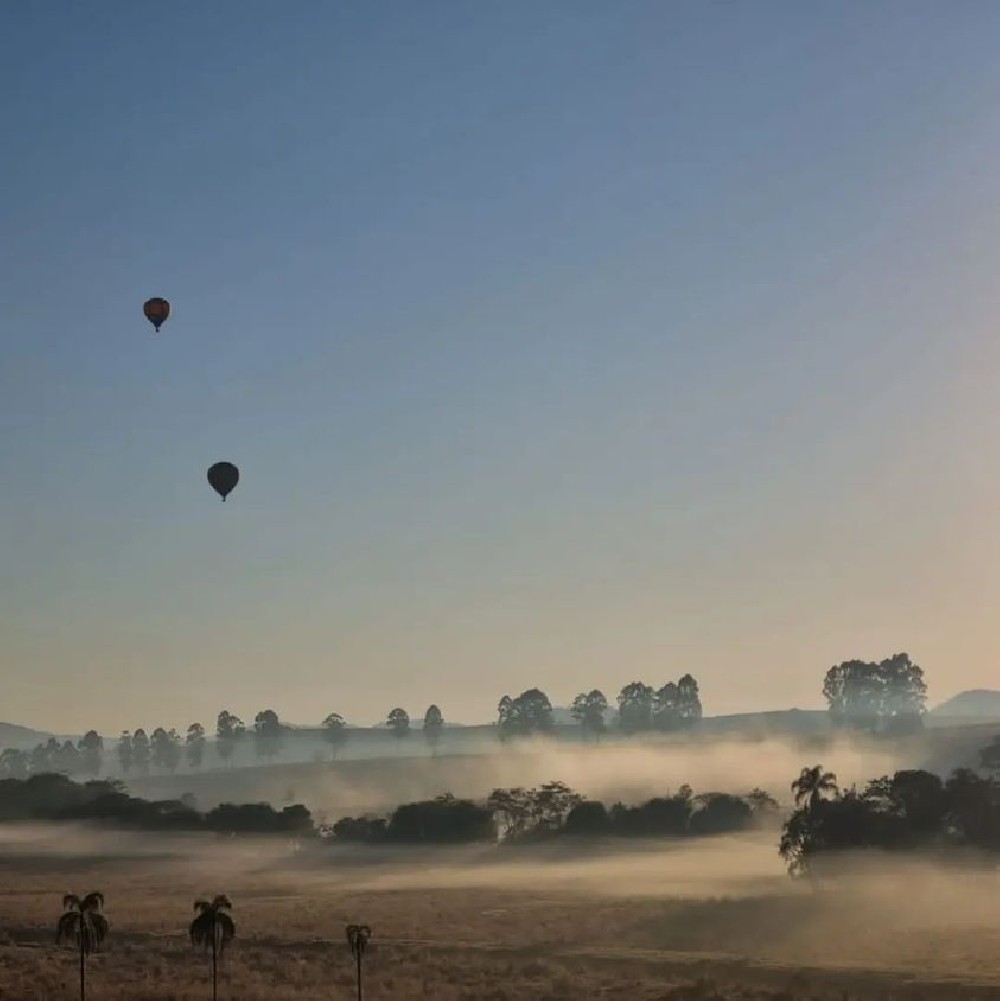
(642, 915)
(628, 773)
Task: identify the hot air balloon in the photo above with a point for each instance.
(156, 310)
(223, 477)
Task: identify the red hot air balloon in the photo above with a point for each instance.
(223, 477)
(156, 310)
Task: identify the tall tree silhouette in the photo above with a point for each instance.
(213, 928)
(140, 751)
(588, 710)
(91, 748)
(688, 701)
(529, 713)
(83, 923)
(165, 749)
(43, 757)
(267, 734)
(335, 732)
(635, 707)
(890, 696)
(194, 745)
(357, 939)
(812, 785)
(675, 706)
(67, 759)
(667, 707)
(14, 764)
(505, 717)
(229, 731)
(433, 725)
(398, 721)
(125, 752)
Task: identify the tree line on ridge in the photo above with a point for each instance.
(887, 697)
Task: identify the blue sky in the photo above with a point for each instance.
(559, 344)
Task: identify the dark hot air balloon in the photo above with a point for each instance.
(156, 310)
(223, 477)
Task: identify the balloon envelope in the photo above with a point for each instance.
(156, 310)
(223, 477)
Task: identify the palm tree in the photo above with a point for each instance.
(83, 921)
(357, 939)
(812, 784)
(214, 929)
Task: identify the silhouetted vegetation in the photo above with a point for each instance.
(268, 734)
(91, 748)
(126, 757)
(910, 810)
(357, 939)
(165, 750)
(259, 818)
(194, 745)
(989, 756)
(433, 725)
(443, 820)
(83, 758)
(83, 923)
(335, 732)
(589, 709)
(56, 797)
(554, 809)
(229, 734)
(213, 928)
(398, 721)
(141, 753)
(528, 714)
(673, 707)
(889, 697)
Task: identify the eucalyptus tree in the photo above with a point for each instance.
(433, 725)
(335, 732)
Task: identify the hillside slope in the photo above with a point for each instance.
(980, 704)
(21, 737)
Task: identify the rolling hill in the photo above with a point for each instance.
(975, 705)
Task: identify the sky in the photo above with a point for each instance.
(558, 345)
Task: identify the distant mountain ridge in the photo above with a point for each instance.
(21, 737)
(976, 703)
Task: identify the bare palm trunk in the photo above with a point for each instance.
(359, 976)
(215, 966)
(83, 964)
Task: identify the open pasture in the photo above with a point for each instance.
(714, 921)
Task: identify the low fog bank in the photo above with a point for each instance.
(627, 772)
(723, 896)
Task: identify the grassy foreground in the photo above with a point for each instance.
(645, 924)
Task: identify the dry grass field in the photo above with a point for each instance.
(716, 920)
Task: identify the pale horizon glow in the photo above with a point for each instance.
(558, 345)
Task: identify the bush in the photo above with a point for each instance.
(720, 813)
(359, 829)
(663, 816)
(259, 818)
(444, 820)
(588, 819)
